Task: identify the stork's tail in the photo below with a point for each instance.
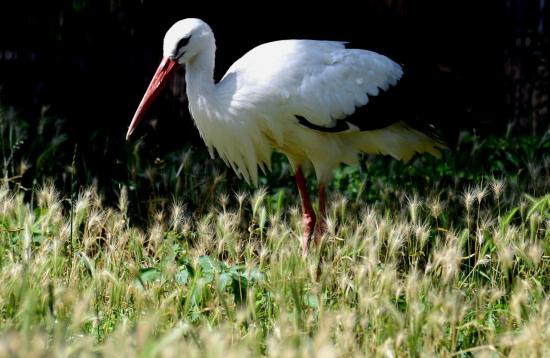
(400, 141)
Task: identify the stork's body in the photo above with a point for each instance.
(294, 96)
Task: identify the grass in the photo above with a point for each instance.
(390, 284)
(419, 260)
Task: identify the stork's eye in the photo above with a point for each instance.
(181, 44)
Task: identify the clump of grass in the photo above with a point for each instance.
(227, 282)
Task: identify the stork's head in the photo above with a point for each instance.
(183, 41)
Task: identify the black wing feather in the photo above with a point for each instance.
(388, 107)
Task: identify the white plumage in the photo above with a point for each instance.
(256, 106)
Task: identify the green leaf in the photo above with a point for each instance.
(255, 275)
(508, 218)
(225, 280)
(208, 268)
(311, 301)
(540, 205)
(182, 276)
(149, 274)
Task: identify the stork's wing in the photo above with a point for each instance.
(316, 82)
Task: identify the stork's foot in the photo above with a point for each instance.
(308, 220)
(313, 232)
(320, 230)
(321, 227)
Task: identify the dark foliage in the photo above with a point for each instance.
(73, 72)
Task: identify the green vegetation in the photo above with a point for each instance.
(445, 257)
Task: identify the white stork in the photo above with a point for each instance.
(294, 96)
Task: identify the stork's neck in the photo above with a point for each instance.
(199, 73)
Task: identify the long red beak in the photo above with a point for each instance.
(164, 72)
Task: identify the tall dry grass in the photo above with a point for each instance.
(232, 282)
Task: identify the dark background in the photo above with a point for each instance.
(475, 65)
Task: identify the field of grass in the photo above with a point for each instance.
(419, 260)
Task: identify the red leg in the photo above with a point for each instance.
(308, 215)
(321, 225)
